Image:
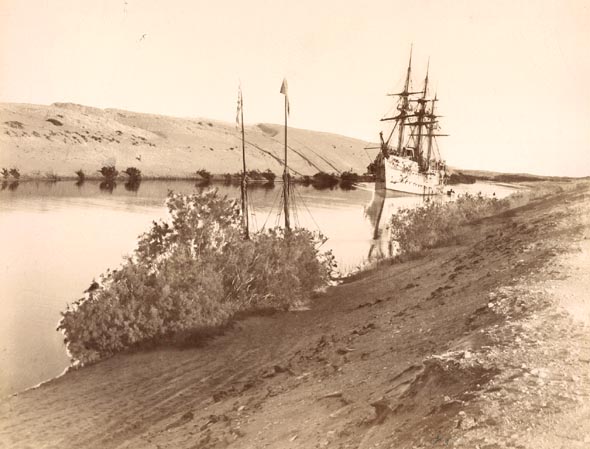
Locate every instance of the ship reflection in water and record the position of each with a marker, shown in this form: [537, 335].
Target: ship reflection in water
[383, 205]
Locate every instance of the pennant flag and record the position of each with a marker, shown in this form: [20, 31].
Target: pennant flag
[239, 109]
[285, 92]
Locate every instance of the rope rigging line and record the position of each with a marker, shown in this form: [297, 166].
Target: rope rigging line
[308, 211]
[280, 211]
[272, 208]
[294, 208]
[367, 153]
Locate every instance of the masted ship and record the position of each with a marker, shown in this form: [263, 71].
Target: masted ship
[409, 160]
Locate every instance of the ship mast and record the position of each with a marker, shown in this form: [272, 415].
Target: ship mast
[431, 131]
[401, 119]
[284, 91]
[421, 116]
[404, 106]
[244, 183]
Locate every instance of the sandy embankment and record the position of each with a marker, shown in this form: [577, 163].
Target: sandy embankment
[483, 344]
[43, 142]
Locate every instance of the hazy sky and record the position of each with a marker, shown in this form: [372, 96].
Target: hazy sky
[512, 76]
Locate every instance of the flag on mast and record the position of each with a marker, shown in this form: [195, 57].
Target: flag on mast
[239, 109]
[285, 92]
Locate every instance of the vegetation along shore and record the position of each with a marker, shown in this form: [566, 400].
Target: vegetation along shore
[477, 339]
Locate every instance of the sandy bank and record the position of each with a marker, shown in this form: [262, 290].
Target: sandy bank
[466, 345]
[57, 140]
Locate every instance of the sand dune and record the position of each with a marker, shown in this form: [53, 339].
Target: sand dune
[63, 137]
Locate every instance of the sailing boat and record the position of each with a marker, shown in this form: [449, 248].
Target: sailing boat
[244, 182]
[412, 163]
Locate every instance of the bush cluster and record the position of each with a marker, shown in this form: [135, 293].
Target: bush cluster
[109, 172]
[133, 173]
[13, 172]
[435, 223]
[205, 175]
[322, 180]
[460, 178]
[194, 271]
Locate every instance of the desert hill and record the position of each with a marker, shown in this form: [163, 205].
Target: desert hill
[45, 141]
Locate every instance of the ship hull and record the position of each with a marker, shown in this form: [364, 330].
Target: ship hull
[403, 175]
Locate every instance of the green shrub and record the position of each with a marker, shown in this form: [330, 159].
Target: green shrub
[15, 173]
[5, 173]
[81, 175]
[194, 271]
[435, 223]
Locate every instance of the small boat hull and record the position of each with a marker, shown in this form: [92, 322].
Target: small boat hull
[403, 175]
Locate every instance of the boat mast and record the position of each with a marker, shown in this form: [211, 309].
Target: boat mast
[421, 116]
[244, 183]
[431, 131]
[284, 91]
[404, 106]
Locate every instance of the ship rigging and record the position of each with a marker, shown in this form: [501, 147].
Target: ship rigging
[409, 160]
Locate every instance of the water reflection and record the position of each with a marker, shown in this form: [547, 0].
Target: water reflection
[345, 185]
[108, 186]
[383, 205]
[201, 183]
[132, 185]
[10, 185]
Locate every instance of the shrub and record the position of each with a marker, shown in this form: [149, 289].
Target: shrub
[269, 176]
[194, 271]
[81, 176]
[306, 180]
[5, 173]
[253, 175]
[460, 178]
[322, 180]
[133, 173]
[109, 172]
[15, 173]
[436, 224]
[204, 174]
[348, 179]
